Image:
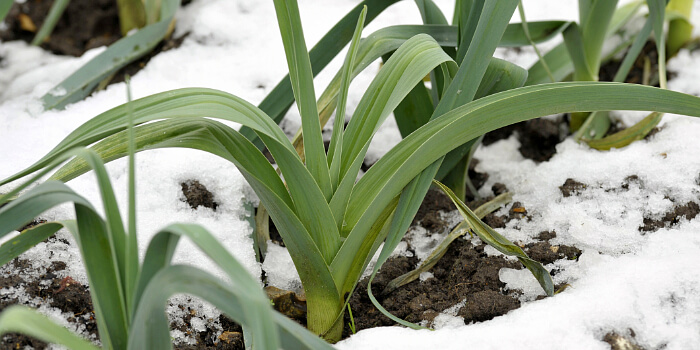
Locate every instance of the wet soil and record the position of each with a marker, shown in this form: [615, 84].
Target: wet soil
[466, 274]
[687, 211]
[84, 25]
[538, 137]
[679, 212]
[636, 74]
[49, 289]
[197, 195]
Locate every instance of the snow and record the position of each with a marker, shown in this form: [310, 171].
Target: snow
[623, 280]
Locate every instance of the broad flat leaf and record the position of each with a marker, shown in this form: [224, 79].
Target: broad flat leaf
[170, 104]
[595, 17]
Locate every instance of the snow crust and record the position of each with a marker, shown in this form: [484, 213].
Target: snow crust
[624, 279]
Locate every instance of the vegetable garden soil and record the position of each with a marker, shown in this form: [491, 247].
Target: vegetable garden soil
[466, 274]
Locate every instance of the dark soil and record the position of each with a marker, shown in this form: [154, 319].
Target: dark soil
[538, 137]
[466, 272]
[62, 293]
[84, 25]
[571, 187]
[688, 211]
[197, 195]
[636, 74]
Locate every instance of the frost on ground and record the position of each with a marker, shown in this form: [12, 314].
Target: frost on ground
[626, 278]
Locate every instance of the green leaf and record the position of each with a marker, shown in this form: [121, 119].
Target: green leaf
[409, 202]
[335, 149]
[24, 320]
[107, 290]
[50, 21]
[575, 45]
[411, 62]
[460, 230]
[258, 314]
[657, 14]
[470, 15]
[414, 111]
[301, 76]
[5, 7]
[540, 31]
[558, 58]
[278, 101]
[169, 104]
[430, 13]
[26, 240]
[124, 51]
[491, 26]
[633, 52]
[131, 254]
[132, 15]
[502, 244]
[386, 178]
[623, 138]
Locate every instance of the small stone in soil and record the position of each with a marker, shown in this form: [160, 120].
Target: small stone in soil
[621, 342]
[571, 187]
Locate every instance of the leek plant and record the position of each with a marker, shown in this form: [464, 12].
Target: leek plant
[332, 223]
[129, 298]
[580, 56]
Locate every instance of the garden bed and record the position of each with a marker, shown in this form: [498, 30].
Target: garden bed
[618, 230]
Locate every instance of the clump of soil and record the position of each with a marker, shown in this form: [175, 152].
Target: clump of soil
[688, 211]
[545, 253]
[572, 187]
[197, 195]
[622, 342]
[465, 272]
[538, 137]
